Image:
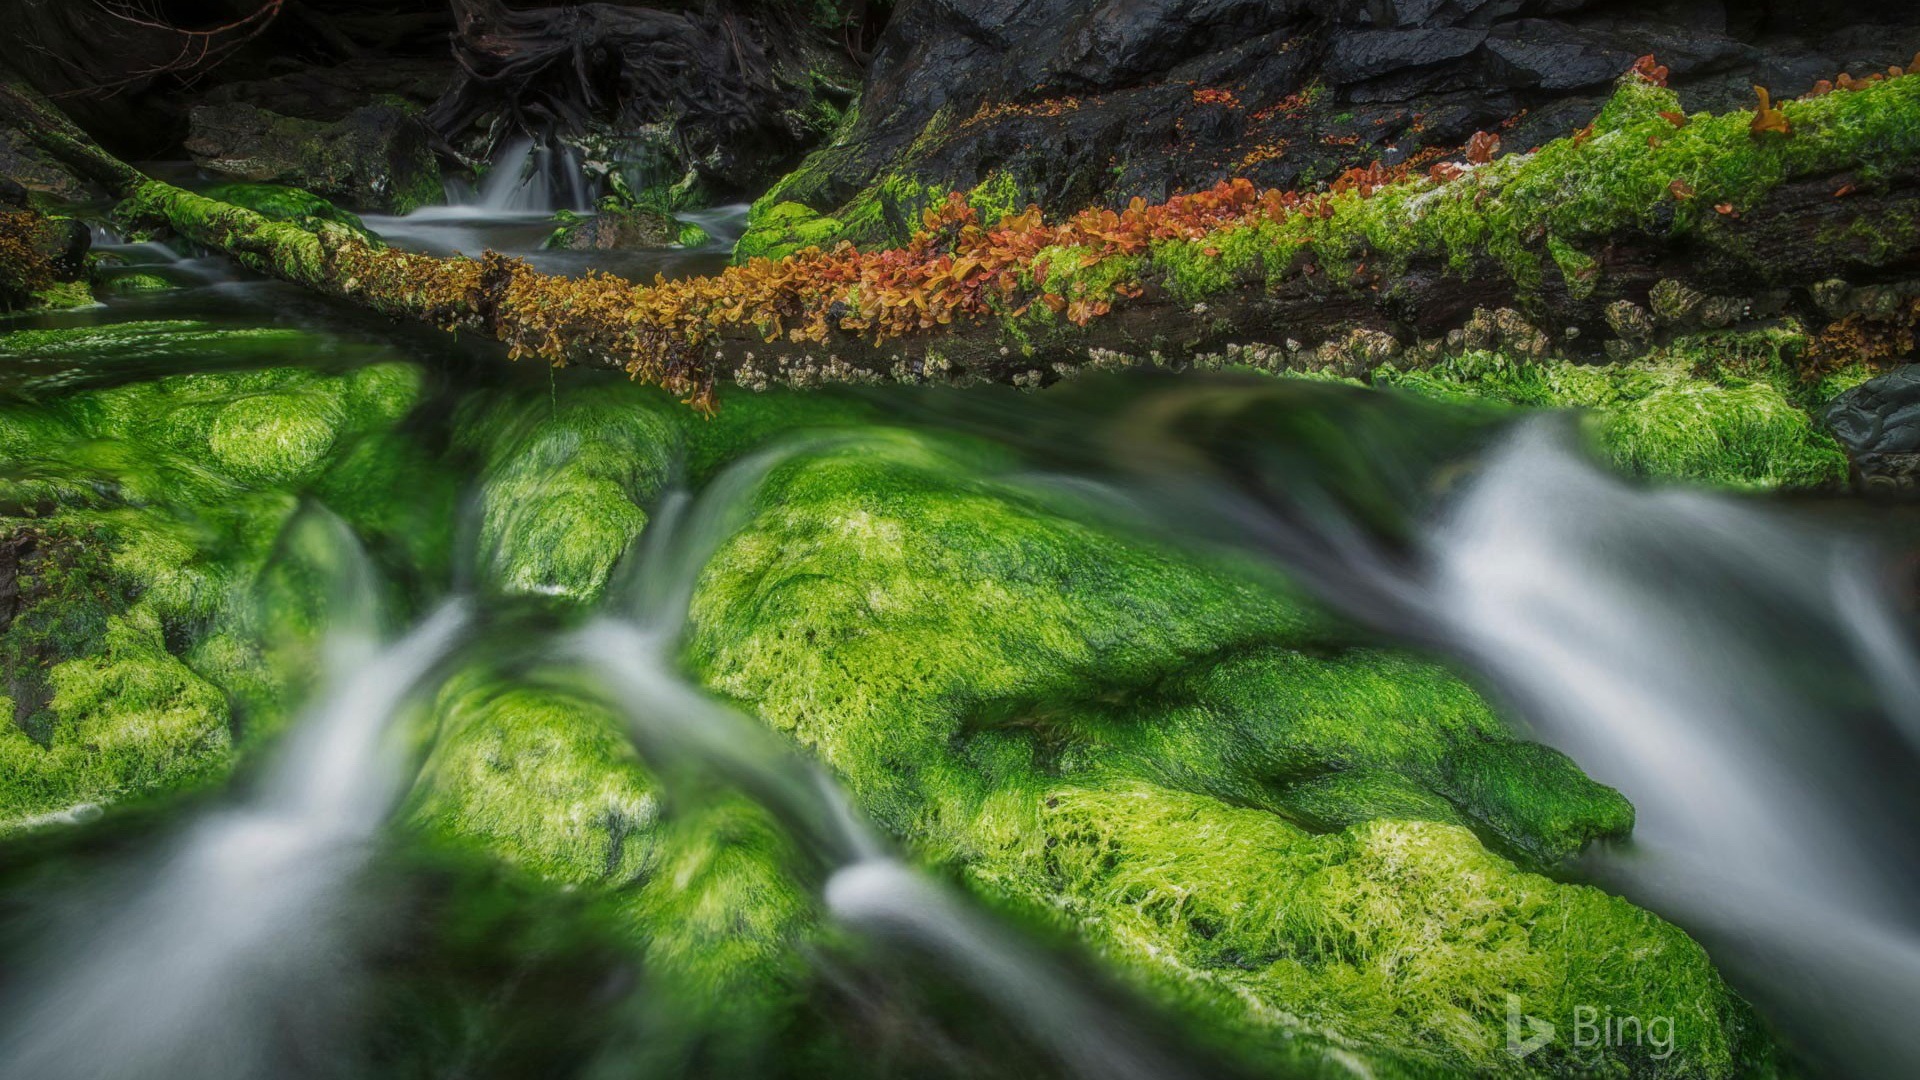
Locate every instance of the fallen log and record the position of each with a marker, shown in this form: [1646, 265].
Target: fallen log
[1646, 223]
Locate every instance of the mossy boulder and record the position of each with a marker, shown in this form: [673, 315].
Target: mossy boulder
[1177, 761]
[378, 158]
[564, 474]
[618, 227]
[538, 778]
[1724, 410]
[144, 524]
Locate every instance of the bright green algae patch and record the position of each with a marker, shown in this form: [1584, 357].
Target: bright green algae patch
[1183, 766]
[543, 779]
[563, 476]
[1728, 410]
[539, 778]
[142, 520]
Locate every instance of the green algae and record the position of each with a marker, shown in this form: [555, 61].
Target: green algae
[538, 778]
[1173, 760]
[1400, 939]
[1723, 410]
[130, 718]
[278, 202]
[1335, 739]
[563, 477]
[155, 511]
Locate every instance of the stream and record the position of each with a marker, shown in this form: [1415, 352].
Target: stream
[1741, 668]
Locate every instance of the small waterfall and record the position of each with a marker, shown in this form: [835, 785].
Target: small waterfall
[677, 726]
[230, 960]
[534, 177]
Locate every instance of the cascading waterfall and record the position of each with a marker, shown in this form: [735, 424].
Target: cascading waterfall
[534, 177]
[866, 887]
[229, 959]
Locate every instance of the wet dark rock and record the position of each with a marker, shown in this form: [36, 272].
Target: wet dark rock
[332, 93]
[1094, 103]
[378, 158]
[1878, 422]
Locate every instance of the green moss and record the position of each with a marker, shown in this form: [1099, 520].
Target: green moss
[160, 507]
[1062, 714]
[563, 477]
[130, 719]
[274, 437]
[891, 597]
[62, 296]
[538, 778]
[1718, 409]
[278, 202]
[136, 283]
[1400, 939]
[784, 228]
[885, 213]
[1331, 740]
[748, 420]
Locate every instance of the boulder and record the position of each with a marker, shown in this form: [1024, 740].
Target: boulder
[377, 158]
[1878, 422]
[624, 229]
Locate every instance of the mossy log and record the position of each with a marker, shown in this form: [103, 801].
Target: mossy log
[1704, 220]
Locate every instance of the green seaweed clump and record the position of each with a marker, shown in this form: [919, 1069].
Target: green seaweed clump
[563, 478]
[1696, 411]
[1173, 759]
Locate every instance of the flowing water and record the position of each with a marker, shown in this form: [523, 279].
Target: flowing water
[224, 957]
[1743, 670]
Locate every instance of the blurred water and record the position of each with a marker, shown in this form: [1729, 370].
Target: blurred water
[230, 956]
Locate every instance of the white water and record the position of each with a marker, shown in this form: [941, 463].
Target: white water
[1746, 684]
[527, 177]
[229, 961]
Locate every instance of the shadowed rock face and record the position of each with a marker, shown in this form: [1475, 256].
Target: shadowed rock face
[1094, 103]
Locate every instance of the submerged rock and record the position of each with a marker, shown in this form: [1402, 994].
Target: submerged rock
[377, 158]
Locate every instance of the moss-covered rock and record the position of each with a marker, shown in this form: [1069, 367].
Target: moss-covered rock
[379, 157]
[538, 778]
[563, 477]
[1399, 940]
[145, 523]
[129, 718]
[618, 227]
[1057, 711]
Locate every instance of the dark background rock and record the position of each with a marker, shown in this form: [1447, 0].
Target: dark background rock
[1878, 422]
[377, 158]
[1094, 103]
